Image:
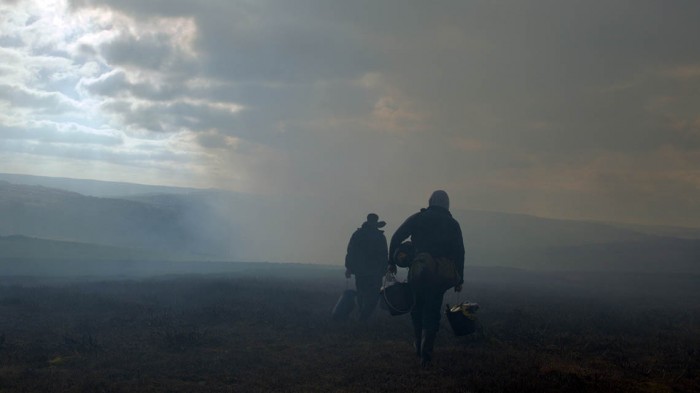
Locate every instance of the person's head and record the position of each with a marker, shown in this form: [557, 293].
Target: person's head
[373, 221]
[439, 198]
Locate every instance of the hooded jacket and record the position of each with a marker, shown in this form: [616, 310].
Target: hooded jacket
[433, 230]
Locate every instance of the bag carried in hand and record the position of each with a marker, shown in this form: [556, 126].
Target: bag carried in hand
[462, 318]
[426, 270]
[344, 306]
[396, 297]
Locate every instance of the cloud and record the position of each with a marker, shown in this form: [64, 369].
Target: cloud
[41, 101]
[147, 53]
[684, 72]
[64, 133]
[214, 140]
[520, 106]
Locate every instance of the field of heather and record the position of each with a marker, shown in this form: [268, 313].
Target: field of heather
[240, 332]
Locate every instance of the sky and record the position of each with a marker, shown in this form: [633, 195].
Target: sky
[571, 109]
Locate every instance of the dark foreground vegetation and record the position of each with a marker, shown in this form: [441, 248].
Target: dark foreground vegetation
[271, 332]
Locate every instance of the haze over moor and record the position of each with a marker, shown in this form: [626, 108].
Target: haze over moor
[584, 110]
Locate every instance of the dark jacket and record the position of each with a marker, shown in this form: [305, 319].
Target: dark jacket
[367, 252]
[433, 230]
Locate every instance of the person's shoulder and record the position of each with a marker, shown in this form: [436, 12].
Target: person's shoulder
[435, 211]
[455, 224]
[417, 214]
[445, 215]
[376, 235]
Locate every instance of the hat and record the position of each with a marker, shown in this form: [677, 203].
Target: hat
[373, 219]
[439, 198]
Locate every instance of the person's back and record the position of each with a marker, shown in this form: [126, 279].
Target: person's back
[366, 258]
[435, 233]
[367, 251]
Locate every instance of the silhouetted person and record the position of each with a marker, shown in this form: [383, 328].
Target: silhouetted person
[367, 260]
[435, 232]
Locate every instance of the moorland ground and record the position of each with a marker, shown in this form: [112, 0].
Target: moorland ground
[270, 330]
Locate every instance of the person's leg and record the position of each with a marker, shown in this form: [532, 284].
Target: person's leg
[370, 296]
[431, 322]
[432, 309]
[361, 287]
[417, 320]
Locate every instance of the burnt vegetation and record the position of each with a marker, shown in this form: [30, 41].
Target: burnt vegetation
[268, 332]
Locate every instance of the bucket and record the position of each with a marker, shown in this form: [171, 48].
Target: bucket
[462, 318]
[397, 298]
[344, 306]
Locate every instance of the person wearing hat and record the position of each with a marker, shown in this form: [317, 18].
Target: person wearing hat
[367, 259]
[439, 248]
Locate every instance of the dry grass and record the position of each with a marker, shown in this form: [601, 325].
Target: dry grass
[207, 334]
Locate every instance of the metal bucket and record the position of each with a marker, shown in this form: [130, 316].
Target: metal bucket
[397, 298]
[462, 318]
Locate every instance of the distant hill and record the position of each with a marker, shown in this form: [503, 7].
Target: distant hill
[97, 188]
[664, 255]
[49, 213]
[663, 230]
[18, 247]
[507, 230]
[215, 224]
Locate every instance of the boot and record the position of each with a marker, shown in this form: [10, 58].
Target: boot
[418, 337]
[426, 354]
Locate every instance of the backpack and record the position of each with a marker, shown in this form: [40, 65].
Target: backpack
[440, 272]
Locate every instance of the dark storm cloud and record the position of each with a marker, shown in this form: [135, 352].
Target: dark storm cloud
[267, 41]
[143, 53]
[525, 63]
[522, 63]
[285, 115]
[288, 52]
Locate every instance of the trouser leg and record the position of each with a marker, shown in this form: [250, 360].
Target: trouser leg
[359, 283]
[368, 294]
[417, 310]
[417, 340]
[417, 319]
[432, 307]
[426, 354]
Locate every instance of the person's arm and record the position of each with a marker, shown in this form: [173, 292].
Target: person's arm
[385, 249]
[379, 251]
[402, 233]
[350, 255]
[459, 255]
